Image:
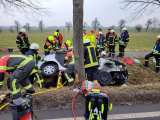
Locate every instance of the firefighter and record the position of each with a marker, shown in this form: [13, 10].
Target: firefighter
[69, 57]
[19, 68]
[90, 60]
[100, 40]
[22, 41]
[123, 41]
[59, 38]
[156, 54]
[111, 39]
[50, 43]
[33, 51]
[90, 36]
[108, 32]
[68, 44]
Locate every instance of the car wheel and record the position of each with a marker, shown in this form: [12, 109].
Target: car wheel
[104, 78]
[49, 69]
[120, 78]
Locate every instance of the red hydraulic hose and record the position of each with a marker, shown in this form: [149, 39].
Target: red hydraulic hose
[74, 100]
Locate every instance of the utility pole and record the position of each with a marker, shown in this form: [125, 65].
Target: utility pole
[77, 38]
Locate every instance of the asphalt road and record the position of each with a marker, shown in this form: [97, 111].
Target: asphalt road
[135, 112]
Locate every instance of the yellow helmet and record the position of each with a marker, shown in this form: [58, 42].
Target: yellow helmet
[50, 38]
[56, 34]
[68, 42]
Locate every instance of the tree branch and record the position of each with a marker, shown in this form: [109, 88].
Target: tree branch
[141, 5]
[154, 2]
[24, 4]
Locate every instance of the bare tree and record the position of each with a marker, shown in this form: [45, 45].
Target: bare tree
[148, 24]
[140, 6]
[122, 24]
[96, 24]
[68, 26]
[41, 25]
[20, 4]
[77, 38]
[17, 25]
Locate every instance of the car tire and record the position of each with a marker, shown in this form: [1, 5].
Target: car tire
[49, 69]
[104, 78]
[120, 78]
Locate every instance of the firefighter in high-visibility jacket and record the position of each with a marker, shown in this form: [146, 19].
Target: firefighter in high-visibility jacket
[90, 60]
[156, 54]
[91, 37]
[59, 38]
[50, 44]
[19, 68]
[123, 41]
[111, 40]
[68, 44]
[22, 41]
[100, 41]
[34, 52]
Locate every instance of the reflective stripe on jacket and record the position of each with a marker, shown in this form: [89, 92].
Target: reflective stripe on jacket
[90, 56]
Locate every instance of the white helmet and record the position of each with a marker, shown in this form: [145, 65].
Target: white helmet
[112, 31]
[103, 53]
[22, 30]
[158, 37]
[86, 41]
[34, 46]
[100, 32]
[124, 29]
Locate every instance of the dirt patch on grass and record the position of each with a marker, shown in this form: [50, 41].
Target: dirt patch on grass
[131, 94]
[139, 74]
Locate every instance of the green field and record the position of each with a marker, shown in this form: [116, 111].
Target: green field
[141, 41]
[138, 41]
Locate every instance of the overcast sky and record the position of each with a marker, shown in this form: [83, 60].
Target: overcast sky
[109, 12]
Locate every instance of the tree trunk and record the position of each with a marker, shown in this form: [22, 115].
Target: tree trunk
[77, 38]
